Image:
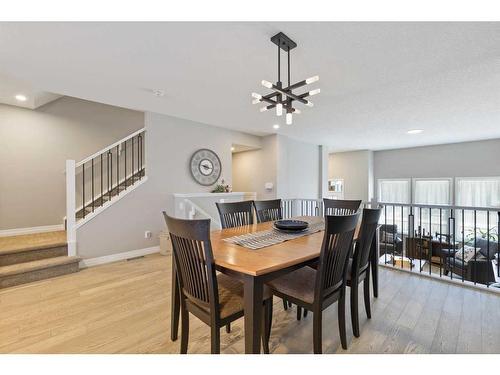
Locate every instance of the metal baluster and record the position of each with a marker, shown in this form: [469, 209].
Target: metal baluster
[475, 231]
[452, 240]
[441, 241]
[133, 172]
[498, 243]
[403, 235]
[463, 240]
[430, 241]
[83, 189]
[125, 173]
[110, 174]
[140, 156]
[102, 198]
[488, 238]
[92, 185]
[385, 236]
[117, 170]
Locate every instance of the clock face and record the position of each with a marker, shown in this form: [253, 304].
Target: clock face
[205, 167]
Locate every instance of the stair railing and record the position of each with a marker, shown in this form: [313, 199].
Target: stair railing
[94, 182]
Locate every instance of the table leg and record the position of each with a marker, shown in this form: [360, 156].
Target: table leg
[253, 290]
[374, 262]
[175, 305]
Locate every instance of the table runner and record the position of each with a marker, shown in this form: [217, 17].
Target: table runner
[273, 236]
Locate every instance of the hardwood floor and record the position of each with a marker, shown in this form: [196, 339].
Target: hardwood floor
[124, 307]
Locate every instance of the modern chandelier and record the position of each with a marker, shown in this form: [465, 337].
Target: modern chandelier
[282, 98]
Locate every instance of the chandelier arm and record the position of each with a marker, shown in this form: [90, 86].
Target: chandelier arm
[288, 53]
[289, 94]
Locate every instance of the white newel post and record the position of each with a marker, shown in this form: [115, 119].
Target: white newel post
[70, 207]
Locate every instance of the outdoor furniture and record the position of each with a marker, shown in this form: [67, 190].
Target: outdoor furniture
[256, 267]
[359, 266]
[216, 300]
[316, 290]
[235, 214]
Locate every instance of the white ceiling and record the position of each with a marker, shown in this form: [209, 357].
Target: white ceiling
[11, 87]
[377, 80]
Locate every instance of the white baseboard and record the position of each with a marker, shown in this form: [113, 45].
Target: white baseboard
[117, 257]
[21, 231]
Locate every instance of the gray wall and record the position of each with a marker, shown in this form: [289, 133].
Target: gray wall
[299, 169]
[356, 168]
[34, 145]
[252, 169]
[170, 142]
[468, 159]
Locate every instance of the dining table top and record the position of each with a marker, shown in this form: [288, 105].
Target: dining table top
[268, 259]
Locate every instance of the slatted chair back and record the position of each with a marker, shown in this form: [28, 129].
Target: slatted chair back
[235, 214]
[269, 210]
[194, 260]
[339, 207]
[334, 255]
[369, 223]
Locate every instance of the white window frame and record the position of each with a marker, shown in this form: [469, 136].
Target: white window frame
[380, 180]
[458, 179]
[449, 179]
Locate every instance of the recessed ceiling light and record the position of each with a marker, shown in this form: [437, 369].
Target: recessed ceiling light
[276, 126]
[232, 148]
[21, 97]
[415, 131]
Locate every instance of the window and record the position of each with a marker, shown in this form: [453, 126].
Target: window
[478, 191]
[432, 191]
[394, 191]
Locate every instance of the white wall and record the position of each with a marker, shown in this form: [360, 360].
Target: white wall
[170, 142]
[356, 169]
[34, 145]
[468, 159]
[299, 169]
[252, 169]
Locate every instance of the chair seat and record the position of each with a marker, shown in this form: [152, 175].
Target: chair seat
[298, 284]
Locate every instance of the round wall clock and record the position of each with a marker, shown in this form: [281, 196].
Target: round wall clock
[205, 167]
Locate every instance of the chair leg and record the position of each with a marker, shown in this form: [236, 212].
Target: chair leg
[285, 304]
[305, 313]
[228, 328]
[215, 340]
[354, 308]
[266, 322]
[317, 332]
[342, 330]
[289, 304]
[184, 329]
[299, 312]
[366, 292]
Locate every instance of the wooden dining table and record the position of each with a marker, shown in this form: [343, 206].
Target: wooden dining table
[256, 267]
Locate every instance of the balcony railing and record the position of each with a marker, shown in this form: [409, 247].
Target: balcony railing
[454, 242]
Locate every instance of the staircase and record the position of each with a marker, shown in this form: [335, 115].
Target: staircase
[34, 257]
[92, 185]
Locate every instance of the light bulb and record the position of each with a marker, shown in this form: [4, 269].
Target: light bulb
[256, 96]
[289, 119]
[263, 109]
[256, 101]
[276, 126]
[314, 92]
[21, 97]
[312, 79]
[309, 104]
[267, 84]
[279, 109]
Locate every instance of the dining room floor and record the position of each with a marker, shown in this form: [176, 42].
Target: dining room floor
[124, 307]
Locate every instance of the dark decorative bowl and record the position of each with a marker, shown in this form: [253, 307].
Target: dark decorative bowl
[291, 225]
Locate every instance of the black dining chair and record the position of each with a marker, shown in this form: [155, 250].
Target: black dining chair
[235, 214]
[315, 290]
[269, 210]
[216, 299]
[359, 264]
[340, 206]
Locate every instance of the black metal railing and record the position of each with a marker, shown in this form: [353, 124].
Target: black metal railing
[447, 241]
[104, 175]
